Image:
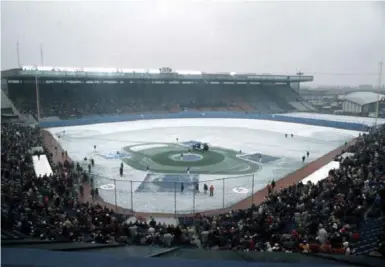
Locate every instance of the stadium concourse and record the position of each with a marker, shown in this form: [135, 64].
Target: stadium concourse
[342, 214]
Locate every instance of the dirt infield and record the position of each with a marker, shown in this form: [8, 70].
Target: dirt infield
[257, 198]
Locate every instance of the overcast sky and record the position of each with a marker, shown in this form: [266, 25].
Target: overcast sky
[326, 39]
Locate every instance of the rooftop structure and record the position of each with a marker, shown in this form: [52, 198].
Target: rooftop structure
[163, 73]
[363, 98]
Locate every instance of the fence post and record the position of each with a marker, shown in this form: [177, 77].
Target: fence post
[175, 200]
[223, 195]
[132, 197]
[252, 190]
[193, 193]
[116, 197]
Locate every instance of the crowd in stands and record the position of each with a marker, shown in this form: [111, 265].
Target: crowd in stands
[323, 217]
[48, 208]
[83, 99]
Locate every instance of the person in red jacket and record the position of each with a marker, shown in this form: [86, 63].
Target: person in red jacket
[211, 190]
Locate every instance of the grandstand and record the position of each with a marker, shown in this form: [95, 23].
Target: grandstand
[155, 90]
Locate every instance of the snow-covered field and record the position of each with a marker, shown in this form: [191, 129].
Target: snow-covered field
[250, 136]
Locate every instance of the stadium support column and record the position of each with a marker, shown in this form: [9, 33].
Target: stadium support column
[299, 74]
[378, 94]
[37, 99]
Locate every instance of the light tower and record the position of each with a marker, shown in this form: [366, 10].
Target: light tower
[299, 74]
[378, 94]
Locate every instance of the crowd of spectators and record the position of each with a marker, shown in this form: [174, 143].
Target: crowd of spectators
[48, 207]
[323, 217]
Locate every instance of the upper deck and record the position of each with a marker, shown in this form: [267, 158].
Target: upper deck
[166, 74]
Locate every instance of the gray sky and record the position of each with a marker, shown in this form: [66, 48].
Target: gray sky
[242, 36]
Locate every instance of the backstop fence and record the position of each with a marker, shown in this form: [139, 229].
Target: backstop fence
[177, 197]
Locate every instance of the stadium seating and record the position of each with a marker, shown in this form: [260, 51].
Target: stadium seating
[370, 234]
[107, 99]
[13, 235]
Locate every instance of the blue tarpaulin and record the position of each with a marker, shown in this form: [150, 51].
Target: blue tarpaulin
[211, 114]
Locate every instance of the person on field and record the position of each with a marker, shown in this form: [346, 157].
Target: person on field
[205, 189]
[211, 190]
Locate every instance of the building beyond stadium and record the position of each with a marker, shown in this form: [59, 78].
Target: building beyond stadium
[361, 102]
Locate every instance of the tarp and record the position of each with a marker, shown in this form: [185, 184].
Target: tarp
[210, 114]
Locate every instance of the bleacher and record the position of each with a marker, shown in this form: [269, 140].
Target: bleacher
[7, 111]
[11, 235]
[91, 99]
[370, 232]
[308, 105]
[300, 106]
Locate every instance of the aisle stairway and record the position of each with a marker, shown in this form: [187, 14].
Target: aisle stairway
[11, 235]
[369, 236]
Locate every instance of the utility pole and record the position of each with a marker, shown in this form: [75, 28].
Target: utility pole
[378, 93]
[18, 54]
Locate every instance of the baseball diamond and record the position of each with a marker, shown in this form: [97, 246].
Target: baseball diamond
[175, 158]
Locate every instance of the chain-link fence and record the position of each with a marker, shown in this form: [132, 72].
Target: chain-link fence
[176, 193]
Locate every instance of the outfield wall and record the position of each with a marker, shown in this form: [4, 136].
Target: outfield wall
[214, 114]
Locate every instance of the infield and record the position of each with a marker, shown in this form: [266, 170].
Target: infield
[175, 158]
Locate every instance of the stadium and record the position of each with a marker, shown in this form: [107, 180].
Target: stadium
[178, 146]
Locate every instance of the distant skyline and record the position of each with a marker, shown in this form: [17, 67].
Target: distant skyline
[340, 43]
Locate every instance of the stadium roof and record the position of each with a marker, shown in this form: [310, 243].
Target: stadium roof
[363, 98]
[160, 73]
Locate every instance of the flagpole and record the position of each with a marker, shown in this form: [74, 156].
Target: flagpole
[18, 54]
[37, 99]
